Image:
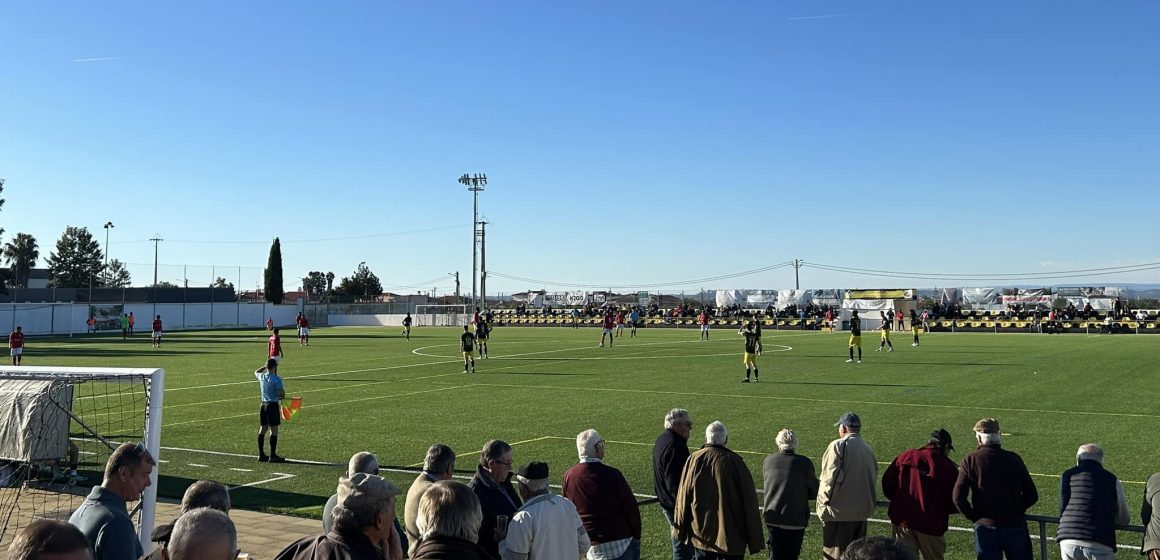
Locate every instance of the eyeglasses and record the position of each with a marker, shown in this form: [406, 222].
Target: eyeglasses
[507, 463]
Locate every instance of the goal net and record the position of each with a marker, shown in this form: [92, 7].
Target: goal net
[442, 315]
[58, 427]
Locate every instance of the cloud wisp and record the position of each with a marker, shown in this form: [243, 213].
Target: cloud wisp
[823, 16]
[98, 59]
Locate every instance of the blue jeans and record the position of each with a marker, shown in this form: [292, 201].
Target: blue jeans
[632, 552]
[992, 543]
[681, 551]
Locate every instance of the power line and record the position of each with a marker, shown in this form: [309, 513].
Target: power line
[1000, 277]
[644, 284]
[317, 240]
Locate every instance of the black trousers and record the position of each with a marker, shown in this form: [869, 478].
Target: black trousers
[784, 544]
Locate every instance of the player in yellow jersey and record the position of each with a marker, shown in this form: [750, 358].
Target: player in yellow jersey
[855, 337]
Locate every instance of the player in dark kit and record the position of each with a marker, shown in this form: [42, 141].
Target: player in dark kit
[750, 357]
[482, 333]
[407, 326]
[855, 337]
[467, 345]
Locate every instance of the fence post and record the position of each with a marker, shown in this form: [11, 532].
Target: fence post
[1042, 540]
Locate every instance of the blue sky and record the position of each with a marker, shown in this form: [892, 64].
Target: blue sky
[628, 143]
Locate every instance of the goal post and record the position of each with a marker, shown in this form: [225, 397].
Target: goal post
[452, 315]
[58, 427]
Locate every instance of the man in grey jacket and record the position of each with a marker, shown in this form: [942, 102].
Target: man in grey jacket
[104, 516]
[790, 481]
[848, 487]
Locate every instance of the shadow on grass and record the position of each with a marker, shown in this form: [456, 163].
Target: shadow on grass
[246, 497]
[119, 352]
[548, 373]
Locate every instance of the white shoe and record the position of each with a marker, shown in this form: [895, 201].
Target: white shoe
[850, 361]
[879, 349]
[914, 344]
[859, 361]
[891, 349]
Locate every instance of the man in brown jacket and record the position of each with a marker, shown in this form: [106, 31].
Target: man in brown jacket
[716, 507]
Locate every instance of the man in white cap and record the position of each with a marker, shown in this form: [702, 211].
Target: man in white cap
[364, 524]
[847, 489]
[547, 527]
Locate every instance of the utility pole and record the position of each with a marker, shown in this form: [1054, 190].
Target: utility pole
[456, 275]
[156, 239]
[797, 265]
[474, 184]
[483, 264]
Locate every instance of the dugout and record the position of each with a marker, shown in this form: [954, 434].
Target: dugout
[869, 303]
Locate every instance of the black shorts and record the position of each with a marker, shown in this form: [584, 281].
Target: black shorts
[270, 414]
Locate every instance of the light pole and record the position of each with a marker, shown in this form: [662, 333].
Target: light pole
[364, 280]
[108, 226]
[474, 184]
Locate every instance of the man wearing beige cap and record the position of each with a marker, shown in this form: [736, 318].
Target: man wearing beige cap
[364, 527]
[847, 488]
[1000, 492]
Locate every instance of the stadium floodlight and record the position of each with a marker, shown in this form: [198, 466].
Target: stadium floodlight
[108, 226]
[475, 184]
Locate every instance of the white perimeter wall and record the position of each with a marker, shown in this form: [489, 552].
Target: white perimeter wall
[66, 318]
[396, 320]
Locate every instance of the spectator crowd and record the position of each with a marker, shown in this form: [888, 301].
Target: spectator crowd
[707, 496]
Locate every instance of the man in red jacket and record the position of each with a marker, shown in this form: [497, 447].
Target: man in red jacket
[920, 484]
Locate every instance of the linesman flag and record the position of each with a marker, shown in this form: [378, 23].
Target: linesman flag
[290, 411]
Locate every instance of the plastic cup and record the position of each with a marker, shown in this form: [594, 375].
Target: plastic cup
[501, 523]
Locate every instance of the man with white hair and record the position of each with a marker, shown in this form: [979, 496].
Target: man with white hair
[670, 452]
[439, 464]
[363, 524]
[203, 534]
[1091, 504]
[448, 517]
[604, 501]
[1000, 492]
[716, 502]
[848, 487]
[200, 494]
[790, 482]
[367, 463]
[547, 527]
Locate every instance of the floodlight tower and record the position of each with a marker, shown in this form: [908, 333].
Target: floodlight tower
[474, 184]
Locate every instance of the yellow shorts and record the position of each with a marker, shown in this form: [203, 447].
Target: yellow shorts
[916, 329]
[855, 340]
[749, 359]
[467, 355]
[885, 335]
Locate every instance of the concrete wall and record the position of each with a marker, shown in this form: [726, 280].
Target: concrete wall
[67, 318]
[396, 320]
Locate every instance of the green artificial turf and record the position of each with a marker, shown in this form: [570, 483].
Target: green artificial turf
[368, 389]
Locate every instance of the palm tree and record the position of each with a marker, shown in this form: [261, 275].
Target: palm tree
[21, 254]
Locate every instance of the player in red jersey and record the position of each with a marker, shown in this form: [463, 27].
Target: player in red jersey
[303, 329]
[703, 319]
[619, 323]
[830, 320]
[16, 345]
[274, 347]
[156, 337]
[476, 319]
[607, 328]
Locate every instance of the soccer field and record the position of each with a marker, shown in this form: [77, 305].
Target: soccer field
[368, 389]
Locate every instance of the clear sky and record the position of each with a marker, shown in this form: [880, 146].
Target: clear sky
[625, 142]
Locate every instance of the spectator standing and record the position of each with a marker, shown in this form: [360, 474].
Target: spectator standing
[790, 482]
[47, 539]
[847, 489]
[716, 502]
[362, 525]
[670, 451]
[438, 465]
[1150, 518]
[367, 463]
[1091, 504]
[547, 527]
[604, 500]
[448, 518]
[492, 485]
[203, 534]
[994, 491]
[104, 516]
[920, 485]
[200, 494]
[16, 345]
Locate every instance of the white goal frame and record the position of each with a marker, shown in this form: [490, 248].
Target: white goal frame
[153, 414]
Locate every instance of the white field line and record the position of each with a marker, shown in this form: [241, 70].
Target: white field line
[277, 477]
[805, 399]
